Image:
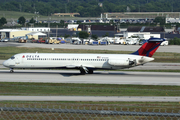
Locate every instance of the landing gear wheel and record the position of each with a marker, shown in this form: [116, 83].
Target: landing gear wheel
[11, 71]
[82, 72]
[90, 72]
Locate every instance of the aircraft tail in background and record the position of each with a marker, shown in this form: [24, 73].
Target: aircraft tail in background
[150, 47]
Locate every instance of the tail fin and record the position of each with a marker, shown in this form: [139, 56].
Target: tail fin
[150, 47]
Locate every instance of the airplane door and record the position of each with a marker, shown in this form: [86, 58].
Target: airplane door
[17, 61]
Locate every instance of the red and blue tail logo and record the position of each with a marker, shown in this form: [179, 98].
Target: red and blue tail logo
[150, 47]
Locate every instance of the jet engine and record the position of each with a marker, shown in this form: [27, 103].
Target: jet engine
[121, 62]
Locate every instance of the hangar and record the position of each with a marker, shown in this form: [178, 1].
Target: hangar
[12, 33]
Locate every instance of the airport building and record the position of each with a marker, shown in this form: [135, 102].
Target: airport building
[37, 29]
[12, 33]
[143, 35]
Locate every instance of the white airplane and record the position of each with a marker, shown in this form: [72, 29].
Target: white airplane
[86, 63]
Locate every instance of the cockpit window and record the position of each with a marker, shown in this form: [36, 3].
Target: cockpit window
[12, 57]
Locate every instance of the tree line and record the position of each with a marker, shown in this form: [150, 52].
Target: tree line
[88, 8]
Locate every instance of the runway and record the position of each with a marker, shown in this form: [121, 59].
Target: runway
[99, 77]
[91, 98]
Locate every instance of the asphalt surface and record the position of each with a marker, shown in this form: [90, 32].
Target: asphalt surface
[169, 48]
[91, 98]
[99, 77]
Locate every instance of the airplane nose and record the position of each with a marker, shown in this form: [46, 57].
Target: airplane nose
[5, 64]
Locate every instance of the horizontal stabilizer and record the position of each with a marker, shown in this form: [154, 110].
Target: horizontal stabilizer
[156, 40]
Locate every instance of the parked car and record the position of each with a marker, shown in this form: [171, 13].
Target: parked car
[5, 40]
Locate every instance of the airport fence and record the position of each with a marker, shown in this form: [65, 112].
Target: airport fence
[87, 112]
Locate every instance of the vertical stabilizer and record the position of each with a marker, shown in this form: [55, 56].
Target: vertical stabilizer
[150, 47]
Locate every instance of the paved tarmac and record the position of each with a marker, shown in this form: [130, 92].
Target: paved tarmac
[91, 98]
[169, 48]
[99, 77]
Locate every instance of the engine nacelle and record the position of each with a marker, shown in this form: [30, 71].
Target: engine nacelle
[120, 62]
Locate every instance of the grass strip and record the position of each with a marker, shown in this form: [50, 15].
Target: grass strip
[169, 106]
[86, 89]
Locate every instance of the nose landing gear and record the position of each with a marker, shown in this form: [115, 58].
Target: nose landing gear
[11, 70]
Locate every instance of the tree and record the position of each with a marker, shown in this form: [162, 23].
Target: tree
[94, 37]
[83, 34]
[78, 22]
[106, 35]
[32, 20]
[160, 20]
[66, 36]
[21, 20]
[62, 23]
[3, 21]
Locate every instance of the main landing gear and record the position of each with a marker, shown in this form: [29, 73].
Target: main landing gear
[90, 72]
[11, 70]
[84, 70]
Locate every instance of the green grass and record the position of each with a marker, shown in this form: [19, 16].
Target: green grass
[63, 104]
[9, 15]
[15, 15]
[7, 52]
[86, 89]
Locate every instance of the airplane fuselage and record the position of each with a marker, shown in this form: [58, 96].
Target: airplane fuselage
[86, 63]
[90, 61]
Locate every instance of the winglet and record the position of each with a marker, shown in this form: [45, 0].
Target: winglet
[150, 47]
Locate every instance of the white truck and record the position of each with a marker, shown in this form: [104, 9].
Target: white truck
[76, 41]
[119, 40]
[131, 41]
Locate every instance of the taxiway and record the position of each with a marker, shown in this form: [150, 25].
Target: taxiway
[99, 77]
[91, 98]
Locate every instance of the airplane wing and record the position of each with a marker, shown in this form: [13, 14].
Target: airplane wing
[78, 66]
